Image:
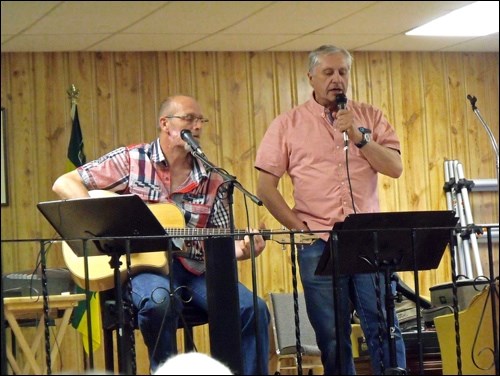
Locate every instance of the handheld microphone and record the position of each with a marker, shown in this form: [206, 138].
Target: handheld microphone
[473, 101]
[187, 136]
[341, 100]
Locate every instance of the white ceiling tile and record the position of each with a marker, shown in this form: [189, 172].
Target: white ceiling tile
[18, 15]
[488, 43]
[237, 42]
[64, 42]
[146, 42]
[413, 43]
[180, 17]
[293, 17]
[312, 41]
[387, 17]
[93, 16]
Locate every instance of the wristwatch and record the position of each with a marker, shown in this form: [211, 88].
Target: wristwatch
[366, 137]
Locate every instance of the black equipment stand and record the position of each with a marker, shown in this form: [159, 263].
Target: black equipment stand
[126, 358]
[387, 243]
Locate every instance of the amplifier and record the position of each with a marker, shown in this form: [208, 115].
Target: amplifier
[442, 294]
[29, 283]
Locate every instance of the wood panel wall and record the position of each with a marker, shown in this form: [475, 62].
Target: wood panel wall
[423, 94]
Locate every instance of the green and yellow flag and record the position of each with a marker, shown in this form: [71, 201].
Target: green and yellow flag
[76, 155]
[76, 158]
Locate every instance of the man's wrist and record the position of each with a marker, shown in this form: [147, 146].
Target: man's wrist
[302, 227]
[366, 137]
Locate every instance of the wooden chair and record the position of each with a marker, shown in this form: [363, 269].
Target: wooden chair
[476, 336]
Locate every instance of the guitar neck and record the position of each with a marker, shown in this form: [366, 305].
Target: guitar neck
[193, 233]
[277, 236]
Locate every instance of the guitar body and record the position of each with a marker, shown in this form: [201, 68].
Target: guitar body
[101, 274]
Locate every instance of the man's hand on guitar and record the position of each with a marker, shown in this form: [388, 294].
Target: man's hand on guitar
[243, 247]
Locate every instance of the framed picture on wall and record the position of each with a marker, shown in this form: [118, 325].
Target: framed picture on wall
[3, 156]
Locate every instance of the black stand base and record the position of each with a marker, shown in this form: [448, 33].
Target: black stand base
[124, 333]
[390, 310]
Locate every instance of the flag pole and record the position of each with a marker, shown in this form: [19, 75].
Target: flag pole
[73, 94]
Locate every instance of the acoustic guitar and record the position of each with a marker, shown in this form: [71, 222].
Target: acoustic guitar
[101, 274]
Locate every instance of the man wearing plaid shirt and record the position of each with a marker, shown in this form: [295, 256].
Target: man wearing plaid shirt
[165, 171]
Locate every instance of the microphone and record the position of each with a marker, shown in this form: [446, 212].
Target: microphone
[187, 136]
[472, 101]
[341, 100]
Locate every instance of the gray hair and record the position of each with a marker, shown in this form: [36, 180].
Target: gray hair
[327, 49]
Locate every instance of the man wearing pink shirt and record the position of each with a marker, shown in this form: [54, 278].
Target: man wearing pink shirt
[333, 151]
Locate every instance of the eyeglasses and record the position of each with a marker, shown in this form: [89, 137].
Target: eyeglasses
[189, 118]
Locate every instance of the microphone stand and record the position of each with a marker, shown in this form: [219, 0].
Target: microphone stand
[494, 144]
[233, 182]
[228, 178]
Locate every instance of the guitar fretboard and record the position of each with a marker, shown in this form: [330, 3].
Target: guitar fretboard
[204, 232]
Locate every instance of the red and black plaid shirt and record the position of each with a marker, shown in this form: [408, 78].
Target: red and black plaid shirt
[142, 169]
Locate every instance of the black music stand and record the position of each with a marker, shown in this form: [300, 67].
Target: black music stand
[108, 217]
[114, 226]
[386, 242]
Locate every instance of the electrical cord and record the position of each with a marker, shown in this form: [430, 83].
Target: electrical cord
[349, 178]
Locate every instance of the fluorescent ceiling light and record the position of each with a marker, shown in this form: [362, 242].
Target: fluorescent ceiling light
[477, 19]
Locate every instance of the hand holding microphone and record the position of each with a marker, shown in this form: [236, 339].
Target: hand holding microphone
[341, 100]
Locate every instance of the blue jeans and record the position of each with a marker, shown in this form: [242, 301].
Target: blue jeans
[360, 289]
[158, 321]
